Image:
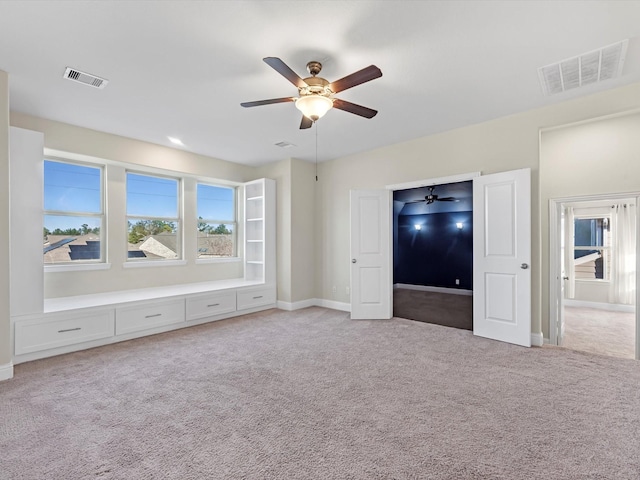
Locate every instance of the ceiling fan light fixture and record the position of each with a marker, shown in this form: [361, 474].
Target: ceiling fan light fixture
[314, 106]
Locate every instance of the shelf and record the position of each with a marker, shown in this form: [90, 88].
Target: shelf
[255, 262]
[255, 241]
[254, 219]
[249, 199]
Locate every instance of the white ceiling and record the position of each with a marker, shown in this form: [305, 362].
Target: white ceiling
[181, 68]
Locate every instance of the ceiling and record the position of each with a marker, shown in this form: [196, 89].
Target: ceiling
[181, 68]
[461, 191]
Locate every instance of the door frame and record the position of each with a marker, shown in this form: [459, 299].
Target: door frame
[463, 177]
[555, 268]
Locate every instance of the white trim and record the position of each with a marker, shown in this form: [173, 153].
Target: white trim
[291, 306]
[6, 371]
[154, 263]
[424, 288]
[537, 340]
[434, 181]
[53, 268]
[612, 307]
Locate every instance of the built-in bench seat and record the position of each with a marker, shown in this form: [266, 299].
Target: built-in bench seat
[85, 321]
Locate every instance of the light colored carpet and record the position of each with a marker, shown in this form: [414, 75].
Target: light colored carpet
[600, 331]
[434, 307]
[313, 395]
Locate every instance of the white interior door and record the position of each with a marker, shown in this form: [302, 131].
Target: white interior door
[371, 282]
[502, 256]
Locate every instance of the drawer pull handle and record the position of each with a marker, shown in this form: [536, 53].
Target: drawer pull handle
[154, 315]
[70, 330]
[213, 305]
[259, 296]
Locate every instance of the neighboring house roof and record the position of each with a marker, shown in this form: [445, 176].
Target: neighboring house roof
[68, 248]
[163, 245]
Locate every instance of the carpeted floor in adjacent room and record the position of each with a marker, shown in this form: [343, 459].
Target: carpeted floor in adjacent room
[311, 394]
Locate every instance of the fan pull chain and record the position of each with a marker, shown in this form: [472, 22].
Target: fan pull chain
[316, 150]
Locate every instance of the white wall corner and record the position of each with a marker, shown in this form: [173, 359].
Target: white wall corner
[537, 340]
[6, 371]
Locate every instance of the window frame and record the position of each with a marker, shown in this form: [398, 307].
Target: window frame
[129, 261]
[233, 222]
[605, 249]
[89, 264]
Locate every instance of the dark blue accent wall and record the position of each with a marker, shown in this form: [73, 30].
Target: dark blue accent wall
[438, 253]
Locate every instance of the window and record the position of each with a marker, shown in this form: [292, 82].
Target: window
[216, 212]
[591, 251]
[153, 217]
[73, 227]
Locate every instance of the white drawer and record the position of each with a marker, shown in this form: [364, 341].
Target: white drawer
[210, 304]
[256, 297]
[60, 330]
[144, 317]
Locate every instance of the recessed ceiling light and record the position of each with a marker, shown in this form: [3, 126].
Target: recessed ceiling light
[176, 141]
[284, 144]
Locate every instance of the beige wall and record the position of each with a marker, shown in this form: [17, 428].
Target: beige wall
[504, 144]
[82, 141]
[303, 230]
[601, 156]
[5, 347]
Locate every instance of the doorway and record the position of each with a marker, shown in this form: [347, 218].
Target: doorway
[433, 254]
[594, 261]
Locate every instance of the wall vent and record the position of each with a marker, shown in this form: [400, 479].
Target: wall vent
[85, 78]
[284, 145]
[591, 67]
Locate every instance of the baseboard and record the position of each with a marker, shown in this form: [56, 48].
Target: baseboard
[290, 306]
[612, 307]
[6, 371]
[345, 307]
[423, 288]
[537, 340]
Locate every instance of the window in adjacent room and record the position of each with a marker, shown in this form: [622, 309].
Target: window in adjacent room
[216, 210]
[592, 248]
[74, 227]
[153, 217]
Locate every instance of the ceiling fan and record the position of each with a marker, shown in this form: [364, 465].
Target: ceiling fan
[315, 94]
[432, 197]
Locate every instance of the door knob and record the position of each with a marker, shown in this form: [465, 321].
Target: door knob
[524, 266]
[353, 260]
[565, 278]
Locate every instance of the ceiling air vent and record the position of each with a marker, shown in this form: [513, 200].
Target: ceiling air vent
[590, 67]
[85, 78]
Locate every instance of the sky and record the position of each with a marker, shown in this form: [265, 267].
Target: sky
[76, 188]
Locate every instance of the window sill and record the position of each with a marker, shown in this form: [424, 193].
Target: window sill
[204, 261]
[83, 267]
[155, 263]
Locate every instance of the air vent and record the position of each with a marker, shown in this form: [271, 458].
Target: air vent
[590, 67]
[284, 144]
[85, 78]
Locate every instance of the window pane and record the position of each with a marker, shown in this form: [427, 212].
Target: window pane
[72, 188]
[71, 239]
[153, 239]
[152, 196]
[215, 240]
[590, 232]
[216, 203]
